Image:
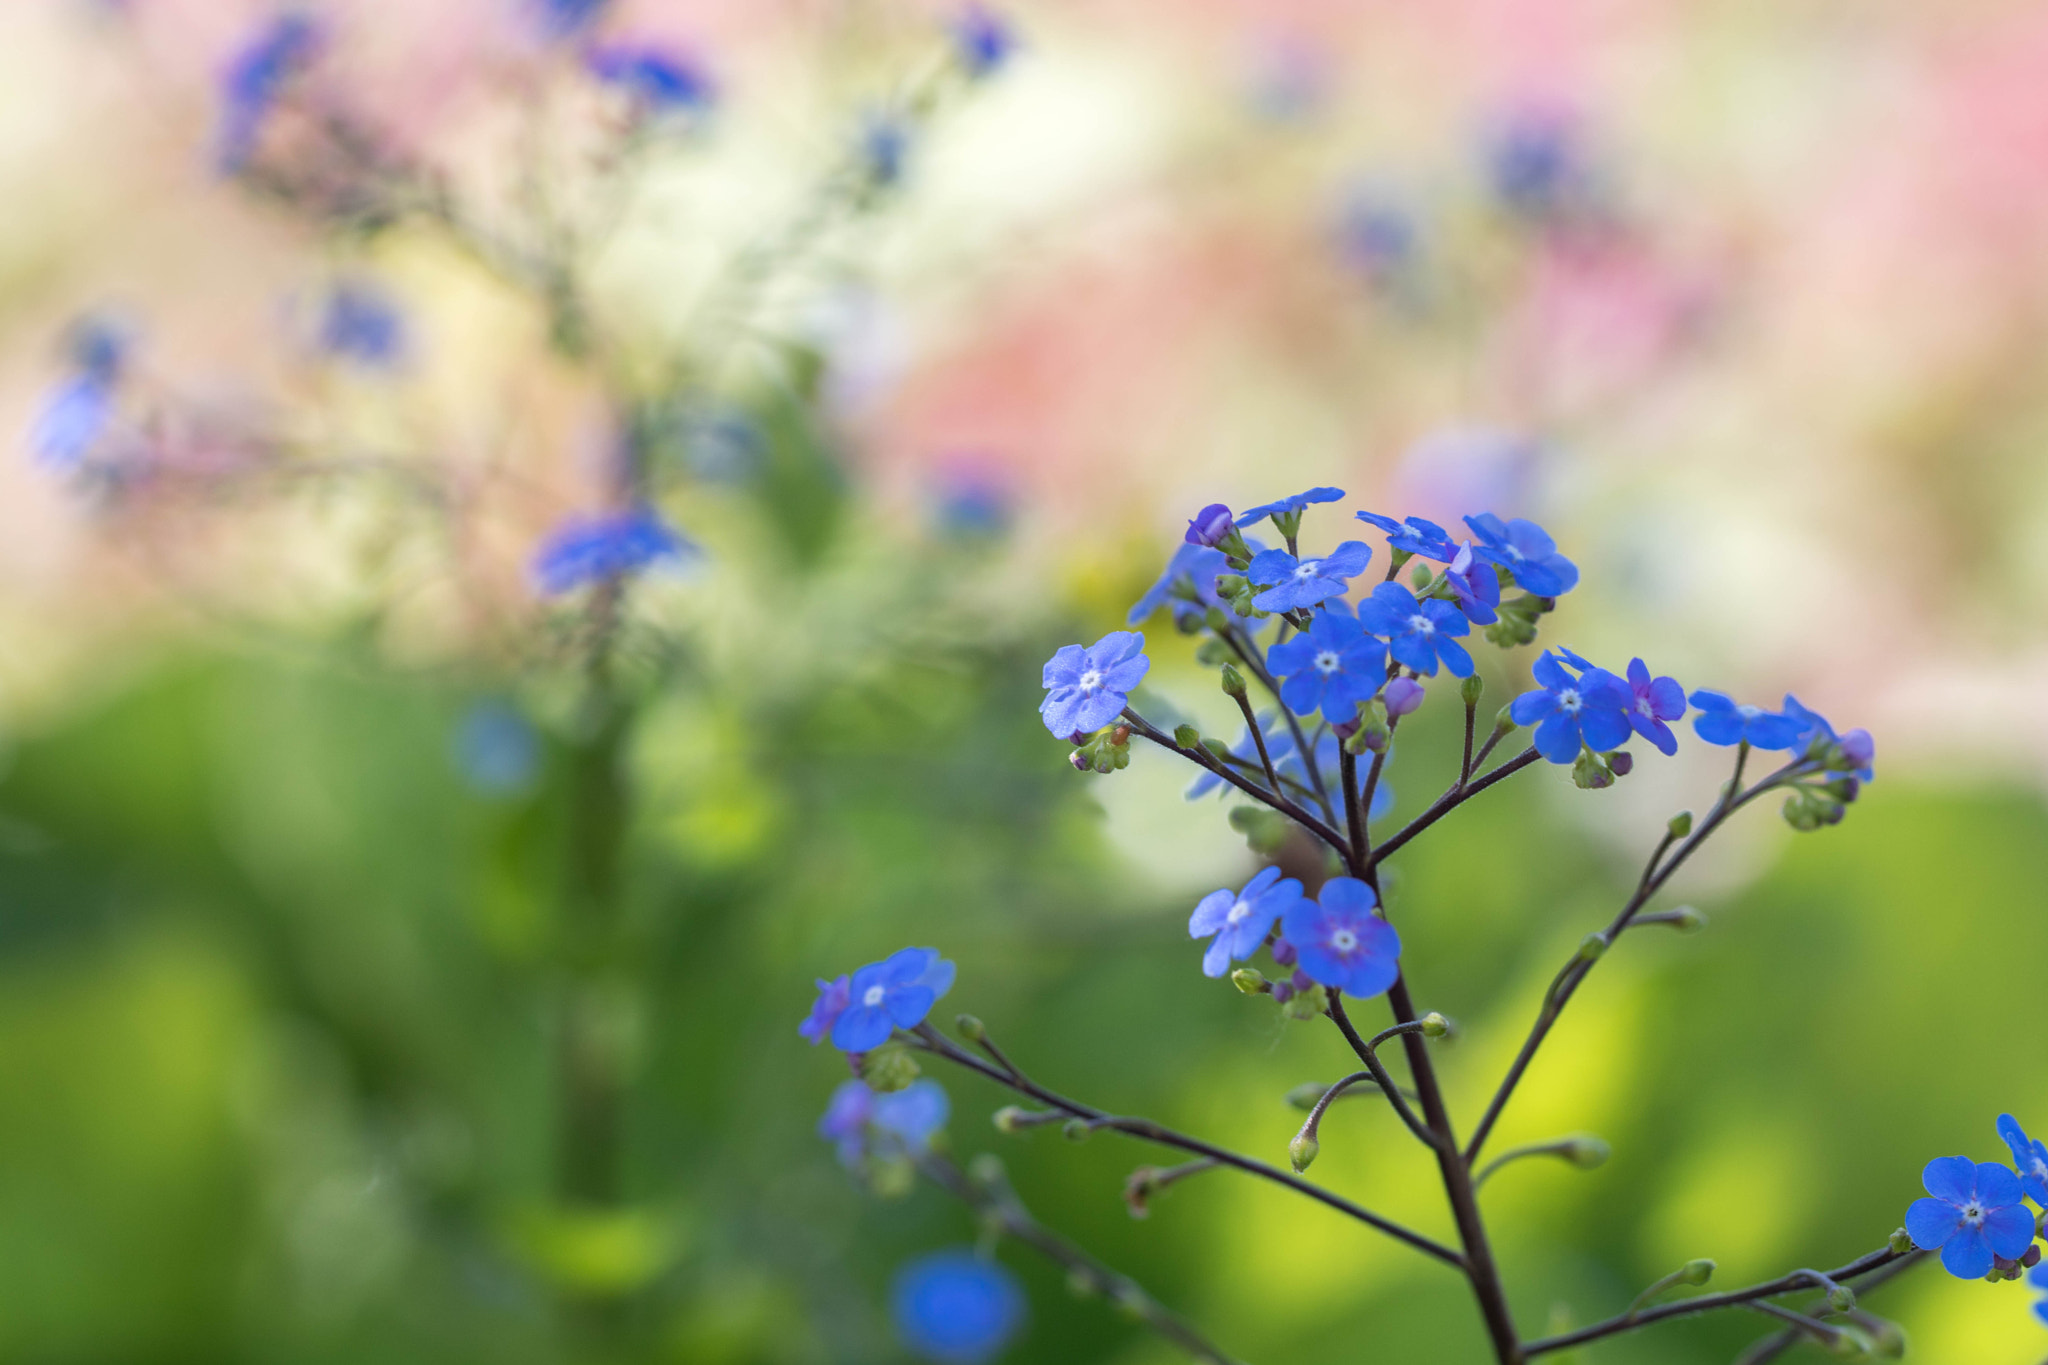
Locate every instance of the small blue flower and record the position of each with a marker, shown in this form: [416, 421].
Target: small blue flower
[902, 1122]
[2030, 1155]
[1332, 666]
[1722, 720]
[72, 422]
[1088, 688]
[1817, 739]
[1289, 506]
[1192, 568]
[826, 1009]
[1474, 586]
[1536, 163]
[897, 992]
[1292, 584]
[1974, 1214]
[1239, 920]
[911, 1115]
[658, 80]
[1418, 634]
[1590, 710]
[256, 78]
[1526, 551]
[593, 550]
[359, 323]
[1416, 535]
[845, 1120]
[982, 40]
[565, 18]
[1654, 703]
[497, 750]
[974, 502]
[1340, 942]
[955, 1308]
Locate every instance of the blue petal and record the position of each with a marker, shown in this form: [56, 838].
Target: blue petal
[1603, 730]
[1966, 1255]
[1557, 738]
[1454, 656]
[908, 1005]
[1216, 958]
[2009, 1231]
[1347, 560]
[1931, 1222]
[1064, 667]
[1271, 566]
[1997, 1186]
[1953, 1178]
[861, 1029]
[1532, 706]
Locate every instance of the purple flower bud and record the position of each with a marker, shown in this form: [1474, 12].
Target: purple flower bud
[1859, 747]
[1283, 993]
[1210, 526]
[1345, 729]
[1622, 764]
[1284, 953]
[1301, 980]
[1079, 760]
[1403, 695]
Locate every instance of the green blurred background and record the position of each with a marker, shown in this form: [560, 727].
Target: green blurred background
[284, 981]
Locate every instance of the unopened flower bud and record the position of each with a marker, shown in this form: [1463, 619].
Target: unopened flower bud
[1591, 773]
[1681, 824]
[1251, 981]
[1587, 1152]
[1434, 1025]
[1233, 681]
[1697, 1272]
[970, 1028]
[1121, 735]
[2032, 1257]
[1403, 696]
[1844, 789]
[888, 1068]
[1503, 722]
[1076, 1130]
[1850, 1344]
[1080, 761]
[1139, 1187]
[1621, 763]
[1592, 947]
[1210, 525]
[1187, 736]
[1011, 1119]
[1302, 1151]
[1901, 1242]
[1470, 690]
[1215, 618]
[1688, 919]
[1841, 1298]
[1284, 953]
[1420, 578]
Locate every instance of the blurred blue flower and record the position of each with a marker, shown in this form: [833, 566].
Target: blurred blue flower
[1973, 1214]
[256, 78]
[1239, 920]
[884, 145]
[593, 550]
[660, 81]
[497, 750]
[911, 1115]
[1293, 504]
[1475, 587]
[1654, 703]
[1190, 568]
[1722, 720]
[566, 18]
[2038, 1279]
[361, 324]
[1418, 634]
[826, 1009]
[845, 1120]
[1329, 760]
[982, 39]
[1291, 584]
[1526, 551]
[2030, 1155]
[1088, 688]
[80, 409]
[1375, 236]
[857, 1119]
[1855, 751]
[1340, 942]
[1591, 709]
[1416, 536]
[1332, 666]
[894, 993]
[1536, 162]
[956, 1309]
[974, 501]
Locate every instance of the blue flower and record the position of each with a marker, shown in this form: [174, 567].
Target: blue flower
[982, 40]
[1417, 536]
[1974, 1215]
[1474, 585]
[900, 1122]
[72, 422]
[845, 1120]
[1333, 665]
[955, 1308]
[564, 18]
[1292, 583]
[660, 81]
[911, 1115]
[1239, 920]
[897, 992]
[1289, 506]
[826, 1009]
[974, 503]
[1340, 942]
[1535, 161]
[359, 323]
[1197, 566]
[1653, 703]
[598, 549]
[1722, 721]
[1590, 710]
[256, 78]
[1088, 688]
[2030, 1155]
[496, 749]
[884, 146]
[1817, 739]
[1418, 634]
[1210, 526]
[1375, 235]
[1526, 551]
[2038, 1278]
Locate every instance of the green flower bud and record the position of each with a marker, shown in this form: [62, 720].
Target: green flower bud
[1588, 1153]
[1011, 1119]
[1697, 1272]
[1217, 748]
[1076, 1130]
[1592, 947]
[970, 1028]
[1233, 681]
[1302, 1151]
[1841, 1298]
[1420, 578]
[1681, 824]
[888, 1068]
[1901, 1242]
[1215, 618]
[1688, 920]
[1591, 772]
[1187, 736]
[1434, 1025]
[1503, 722]
[1251, 981]
[1887, 1338]
[1210, 653]
[1471, 689]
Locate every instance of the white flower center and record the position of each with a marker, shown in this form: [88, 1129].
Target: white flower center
[1569, 701]
[1091, 681]
[1307, 568]
[1512, 553]
[1643, 705]
[1750, 712]
[1344, 941]
[1973, 1213]
[873, 996]
[1421, 624]
[1238, 913]
[1327, 661]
